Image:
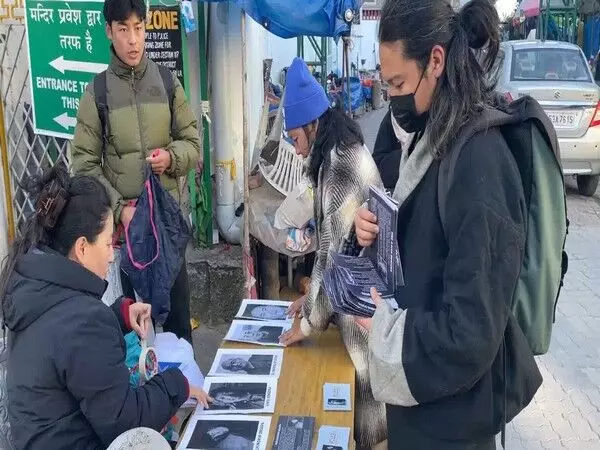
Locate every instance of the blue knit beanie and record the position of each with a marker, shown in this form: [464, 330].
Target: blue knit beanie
[305, 100]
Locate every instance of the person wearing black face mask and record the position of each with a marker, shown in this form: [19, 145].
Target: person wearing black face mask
[401, 128]
[404, 111]
[440, 361]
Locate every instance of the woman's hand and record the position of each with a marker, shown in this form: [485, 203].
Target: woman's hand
[139, 318]
[365, 223]
[201, 397]
[366, 322]
[293, 335]
[295, 309]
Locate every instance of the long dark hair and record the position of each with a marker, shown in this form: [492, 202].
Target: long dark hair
[335, 130]
[67, 208]
[471, 40]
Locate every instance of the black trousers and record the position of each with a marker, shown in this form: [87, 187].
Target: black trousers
[178, 320]
[403, 436]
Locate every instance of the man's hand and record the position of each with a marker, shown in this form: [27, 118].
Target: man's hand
[139, 318]
[160, 160]
[365, 223]
[295, 309]
[202, 397]
[127, 214]
[366, 322]
[293, 335]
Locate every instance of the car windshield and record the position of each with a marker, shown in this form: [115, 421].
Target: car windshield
[547, 64]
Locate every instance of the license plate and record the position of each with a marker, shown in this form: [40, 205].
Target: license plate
[564, 119]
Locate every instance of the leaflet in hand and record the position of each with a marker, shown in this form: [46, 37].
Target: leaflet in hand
[349, 281]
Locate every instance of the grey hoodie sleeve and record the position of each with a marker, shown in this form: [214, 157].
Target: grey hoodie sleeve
[419, 355]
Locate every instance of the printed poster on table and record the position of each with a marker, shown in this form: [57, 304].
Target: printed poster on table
[263, 310]
[333, 438]
[226, 432]
[257, 332]
[249, 362]
[244, 395]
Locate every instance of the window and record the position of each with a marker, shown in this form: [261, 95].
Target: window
[547, 64]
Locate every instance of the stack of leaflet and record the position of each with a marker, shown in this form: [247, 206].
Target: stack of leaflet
[349, 281]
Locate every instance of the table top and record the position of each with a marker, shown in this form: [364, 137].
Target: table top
[306, 367]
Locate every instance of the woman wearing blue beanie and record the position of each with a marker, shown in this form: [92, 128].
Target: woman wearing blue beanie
[342, 170]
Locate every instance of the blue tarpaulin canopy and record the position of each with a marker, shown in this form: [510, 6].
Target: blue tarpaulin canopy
[293, 18]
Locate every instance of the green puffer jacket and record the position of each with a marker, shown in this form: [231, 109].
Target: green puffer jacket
[140, 122]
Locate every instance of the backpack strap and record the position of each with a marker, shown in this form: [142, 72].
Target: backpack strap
[100, 97]
[102, 107]
[169, 84]
[491, 117]
[521, 110]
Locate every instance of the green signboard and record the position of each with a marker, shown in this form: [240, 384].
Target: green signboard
[67, 48]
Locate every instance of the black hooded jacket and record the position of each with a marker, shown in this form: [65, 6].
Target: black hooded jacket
[457, 298]
[68, 385]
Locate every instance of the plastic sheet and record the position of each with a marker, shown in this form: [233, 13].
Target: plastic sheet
[293, 18]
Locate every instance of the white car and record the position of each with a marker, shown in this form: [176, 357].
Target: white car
[557, 75]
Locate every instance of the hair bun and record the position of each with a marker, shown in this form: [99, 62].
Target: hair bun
[53, 196]
[479, 19]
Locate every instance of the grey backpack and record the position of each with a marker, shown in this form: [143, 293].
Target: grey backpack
[533, 143]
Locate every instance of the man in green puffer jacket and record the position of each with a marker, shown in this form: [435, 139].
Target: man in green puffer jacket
[140, 131]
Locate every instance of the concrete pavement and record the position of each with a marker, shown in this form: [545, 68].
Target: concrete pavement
[565, 413]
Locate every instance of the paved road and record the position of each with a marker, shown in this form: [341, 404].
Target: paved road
[566, 410]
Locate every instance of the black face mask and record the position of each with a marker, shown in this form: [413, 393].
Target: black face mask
[405, 111]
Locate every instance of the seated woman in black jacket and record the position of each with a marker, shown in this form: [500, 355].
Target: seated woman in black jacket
[68, 385]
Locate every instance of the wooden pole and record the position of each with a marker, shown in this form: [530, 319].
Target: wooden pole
[247, 259]
[6, 175]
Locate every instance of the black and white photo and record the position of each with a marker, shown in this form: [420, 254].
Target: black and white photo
[253, 332]
[263, 310]
[226, 432]
[247, 362]
[333, 438]
[241, 394]
[336, 397]
[294, 433]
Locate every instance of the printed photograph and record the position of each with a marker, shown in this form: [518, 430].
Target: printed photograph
[227, 432]
[238, 394]
[247, 362]
[263, 310]
[226, 435]
[264, 333]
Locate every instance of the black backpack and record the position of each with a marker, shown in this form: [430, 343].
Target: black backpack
[102, 104]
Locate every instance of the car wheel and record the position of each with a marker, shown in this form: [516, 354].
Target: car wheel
[587, 184]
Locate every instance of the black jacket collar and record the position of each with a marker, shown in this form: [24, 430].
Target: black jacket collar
[47, 265]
